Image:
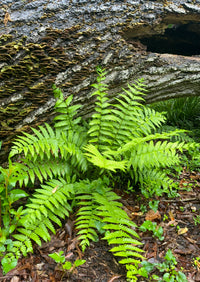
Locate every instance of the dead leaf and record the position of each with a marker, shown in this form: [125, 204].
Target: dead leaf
[193, 209]
[39, 266]
[183, 183]
[172, 218]
[182, 230]
[7, 18]
[151, 215]
[137, 213]
[14, 279]
[194, 176]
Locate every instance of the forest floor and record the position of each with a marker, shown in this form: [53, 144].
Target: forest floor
[179, 218]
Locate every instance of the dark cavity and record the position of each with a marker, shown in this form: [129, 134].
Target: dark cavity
[183, 39]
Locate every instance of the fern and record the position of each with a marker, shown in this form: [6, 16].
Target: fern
[49, 154]
[98, 159]
[69, 158]
[119, 230]
[100, 127]
[129, 141]
[67, 119]
[48, 205]
[86, 219]
[98, 204]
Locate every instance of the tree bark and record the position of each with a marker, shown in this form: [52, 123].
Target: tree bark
[44, 42]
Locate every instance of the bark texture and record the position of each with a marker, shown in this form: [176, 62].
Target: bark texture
[46, 41]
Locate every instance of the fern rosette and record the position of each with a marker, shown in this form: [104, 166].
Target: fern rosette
[74, 161]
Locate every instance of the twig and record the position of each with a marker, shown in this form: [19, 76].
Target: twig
[182, 200]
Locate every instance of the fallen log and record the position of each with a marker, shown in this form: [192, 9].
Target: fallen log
[44, 42]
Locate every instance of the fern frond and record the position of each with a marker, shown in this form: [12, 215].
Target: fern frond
[134, 120]
[95, 157]
[98, 204]
[118, 225]
[153, 182]
[119, 231]
[101, 127]
[127, 111]
[42, 169]
[21, 242]
[182, 136]
[66, 120]
[47, 205]
[86, 219]
[44, 142]
[149, 121]
[160, 154]
[54, 160]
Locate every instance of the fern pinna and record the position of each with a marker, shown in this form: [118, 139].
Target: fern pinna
[74, 163]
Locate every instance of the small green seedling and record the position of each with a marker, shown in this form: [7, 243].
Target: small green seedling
[196, 220]
[167, 268]
[66, 265]
[154, 205]
[143, 208]
[197, 262]
[165, 217]
[152, 226]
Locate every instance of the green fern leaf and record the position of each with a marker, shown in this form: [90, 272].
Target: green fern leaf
[128, 253]
[95, 157]
[130, 261]
[125, 247]
[120, 227]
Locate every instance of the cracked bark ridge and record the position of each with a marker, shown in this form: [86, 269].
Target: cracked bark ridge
[44, 42]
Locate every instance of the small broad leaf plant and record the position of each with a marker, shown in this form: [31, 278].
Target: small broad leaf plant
[76, 163]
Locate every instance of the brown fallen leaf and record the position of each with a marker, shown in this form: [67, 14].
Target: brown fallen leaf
[183, 183]
[14, 279]
[172, 218]
[151, 215]
[194, 176]
[137, 213]
[182, 230]
[6, 18]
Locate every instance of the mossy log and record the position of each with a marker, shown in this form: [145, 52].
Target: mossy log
[44, 42]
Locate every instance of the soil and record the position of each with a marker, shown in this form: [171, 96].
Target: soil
[181, 235]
